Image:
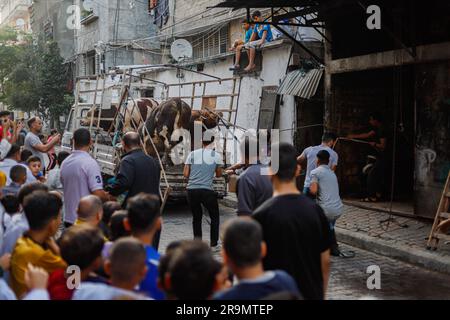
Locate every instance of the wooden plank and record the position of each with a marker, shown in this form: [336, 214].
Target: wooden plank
[445, 215]
[199, 82]
[442, 236]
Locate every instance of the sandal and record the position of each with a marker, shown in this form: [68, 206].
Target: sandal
[347, 254]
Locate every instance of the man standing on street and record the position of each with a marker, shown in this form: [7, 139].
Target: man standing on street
[295, 230]
[200, 167]
[138, 173]
[34, 144]
[80, 176]
[324, 185]
[309, 156]
[253, 188]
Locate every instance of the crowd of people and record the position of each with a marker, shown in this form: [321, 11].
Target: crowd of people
[67, 234]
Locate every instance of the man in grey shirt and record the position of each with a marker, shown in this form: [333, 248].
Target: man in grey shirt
[309, 156]
[324, 185]
[200, 168]
[34, 144]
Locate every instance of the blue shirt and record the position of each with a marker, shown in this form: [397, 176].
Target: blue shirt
[204, 163]
[248, 35]
[270, 282]
[260, 31]
[149, 284]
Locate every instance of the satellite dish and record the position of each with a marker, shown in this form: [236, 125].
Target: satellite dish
[88, 5]
[181, 49]
[20, 24]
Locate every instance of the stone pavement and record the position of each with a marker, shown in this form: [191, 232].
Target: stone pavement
[348, 279]
[398, 280]
[367, 230]
[403, 238]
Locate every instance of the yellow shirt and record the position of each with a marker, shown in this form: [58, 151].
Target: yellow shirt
[2, 179]
[27, 251]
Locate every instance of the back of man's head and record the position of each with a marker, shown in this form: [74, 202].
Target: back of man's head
[81, 245]
[25, 154]
[116, 225]
[89, 207]
[164, 262]
[131, 140]
[287, 162]
[109, 207]
[323, 156]
[242, 242]
[11, 204]
[192, 271]
[41, 208]
[127, 260]
[81, 138]
[18, 174]
[62, 155]
[143, 211]
[13, 152]
[29, 189]
[329, 137]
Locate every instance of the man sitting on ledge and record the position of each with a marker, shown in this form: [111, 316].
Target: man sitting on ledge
[261, 35]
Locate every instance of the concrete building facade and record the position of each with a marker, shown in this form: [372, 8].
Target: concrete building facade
[401, 72]
[50, 19]
[211, 32]
[107, 33]
[15, 14]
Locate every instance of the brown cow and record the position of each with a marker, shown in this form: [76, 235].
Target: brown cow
[165, 122]
[132, 119]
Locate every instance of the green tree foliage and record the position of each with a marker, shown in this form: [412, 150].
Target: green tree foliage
[33, 78]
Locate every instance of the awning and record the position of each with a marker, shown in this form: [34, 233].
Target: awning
[301, 84]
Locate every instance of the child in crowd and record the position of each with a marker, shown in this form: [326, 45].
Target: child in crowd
[126, 267]
[80, 246]
[37, 246]
[19, 223]
[193, 272]
[116, 229]
[116, 225]
[36, 280]
[109, 208]
[243, 251]
[18, 176]
[12, 207]
[35, 165]
[163, 269]
[54, 175]
[143, 221]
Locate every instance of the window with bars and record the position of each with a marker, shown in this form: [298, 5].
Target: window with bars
[211, 43]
